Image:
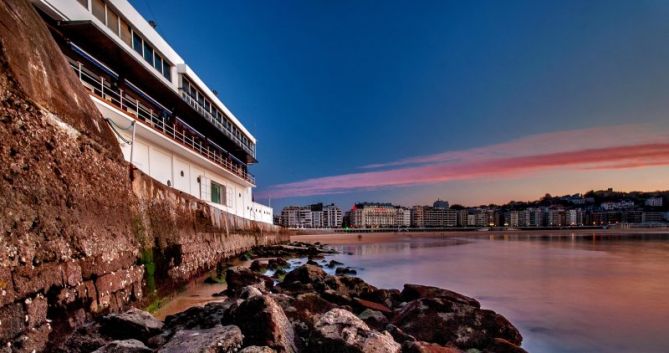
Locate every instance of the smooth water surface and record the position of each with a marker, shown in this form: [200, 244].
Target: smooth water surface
[565, 294]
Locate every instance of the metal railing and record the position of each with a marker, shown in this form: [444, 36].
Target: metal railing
[121, 100]
[210, 117]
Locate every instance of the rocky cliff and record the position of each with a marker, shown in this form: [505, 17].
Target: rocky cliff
[73, 234]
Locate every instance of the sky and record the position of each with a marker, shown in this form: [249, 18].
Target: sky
[474, 102]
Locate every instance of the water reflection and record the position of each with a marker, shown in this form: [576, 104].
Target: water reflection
[567, 293]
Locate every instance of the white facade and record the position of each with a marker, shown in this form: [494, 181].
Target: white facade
[225, 186]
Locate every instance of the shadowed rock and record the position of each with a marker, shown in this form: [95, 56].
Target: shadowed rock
[125, 346]
[217, 339]
[133, 323]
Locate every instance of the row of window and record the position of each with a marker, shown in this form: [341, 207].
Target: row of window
[200, 98]
[118, 25]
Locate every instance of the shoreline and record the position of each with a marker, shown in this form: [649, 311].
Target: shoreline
[384, 237]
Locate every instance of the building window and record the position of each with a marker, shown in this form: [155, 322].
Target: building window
[112, 21]
[137, 43]
[158, 62]
[126, 33]
[99, 10]
[148, 53]
[217, 193]
[83, 3]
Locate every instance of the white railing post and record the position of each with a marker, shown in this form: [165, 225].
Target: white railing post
[79, 65]
[102, 87]
[120, 99]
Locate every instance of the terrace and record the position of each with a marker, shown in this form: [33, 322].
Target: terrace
[147, 110]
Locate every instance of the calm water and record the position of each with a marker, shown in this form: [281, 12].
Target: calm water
[565, 294]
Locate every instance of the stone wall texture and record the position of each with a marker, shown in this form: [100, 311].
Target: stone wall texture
[76, 228]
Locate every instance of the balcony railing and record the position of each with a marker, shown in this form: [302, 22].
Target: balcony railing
[134, 107]
[210, 117]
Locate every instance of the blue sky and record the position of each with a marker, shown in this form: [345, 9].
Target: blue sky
[329, 87]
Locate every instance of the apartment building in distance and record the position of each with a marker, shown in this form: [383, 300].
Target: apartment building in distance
[311, 216]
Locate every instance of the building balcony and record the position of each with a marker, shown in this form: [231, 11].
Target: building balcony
[250, 149]
[177, 131]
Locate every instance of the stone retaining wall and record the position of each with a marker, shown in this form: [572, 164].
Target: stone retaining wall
[75, 227]
[186, 236]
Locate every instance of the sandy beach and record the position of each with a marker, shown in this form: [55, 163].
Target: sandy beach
[382, 237]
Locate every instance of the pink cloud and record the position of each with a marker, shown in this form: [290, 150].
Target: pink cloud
[618, 147]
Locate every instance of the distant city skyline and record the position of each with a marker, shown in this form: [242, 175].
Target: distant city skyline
[476, 102]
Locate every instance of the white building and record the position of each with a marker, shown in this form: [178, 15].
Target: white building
[403, 217]
[169, 124]
[654, 202]
[332, 216]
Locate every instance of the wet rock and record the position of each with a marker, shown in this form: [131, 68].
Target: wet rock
[306, 274]
[257, 349]
[13, 321]
[363, 304]
[214, 340]
[399, 335]
[238, 277]
[277, 263]
[124, 346]
[133, 323]
[500, 345]
[342, 271]
[374, 319]
[264, 323]
[204, 317]
[452, 323]
[339, 330]
[279, 273]
[333, 264]
[415, 291]
[425, 347]
[258, 266]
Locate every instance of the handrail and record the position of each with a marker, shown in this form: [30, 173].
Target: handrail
[133, 106]
[207, 115]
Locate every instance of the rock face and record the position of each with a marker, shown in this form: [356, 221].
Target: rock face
[218, 339]
[125, 346]
[66, 244]
[341, 331]
[132, 323]
[264, 323]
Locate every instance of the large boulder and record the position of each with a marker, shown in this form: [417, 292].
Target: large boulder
[133, 323]
[416, 291]
[217, 339]
[339, 331]
[238, 277]
[124, 346]
[264, 323]
[450, 323]
[198, 317]
[305, 274]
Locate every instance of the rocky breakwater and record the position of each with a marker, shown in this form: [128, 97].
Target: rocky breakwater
[310, 312]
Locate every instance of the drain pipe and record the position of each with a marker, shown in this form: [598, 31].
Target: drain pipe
[132, 142]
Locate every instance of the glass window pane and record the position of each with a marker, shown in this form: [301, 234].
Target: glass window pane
[112, 20]
[148, 53]
[84, 3]
[137, 43]
[99, 10]
[167, 72]
[215, 193]
[158, 62]
[125, 33]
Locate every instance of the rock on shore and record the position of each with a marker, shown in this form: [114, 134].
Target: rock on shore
[310, 312]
